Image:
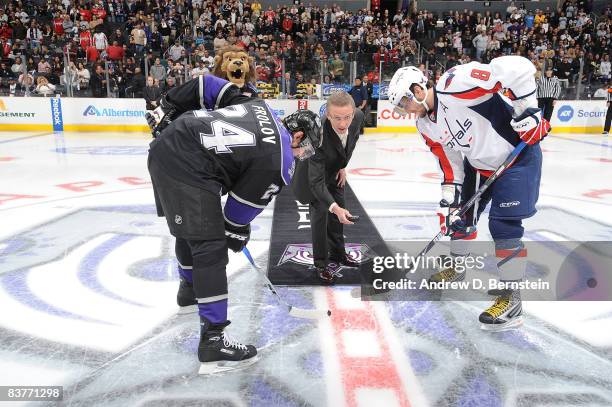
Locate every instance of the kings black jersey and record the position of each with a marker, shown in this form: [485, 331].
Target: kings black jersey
[242, 149]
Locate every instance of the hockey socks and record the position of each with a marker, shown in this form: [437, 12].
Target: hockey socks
[185, 297]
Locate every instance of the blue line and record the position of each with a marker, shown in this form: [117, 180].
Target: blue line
[586, 142]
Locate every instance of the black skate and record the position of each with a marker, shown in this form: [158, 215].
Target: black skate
[505, 313]
[185, 298]
[218, 352]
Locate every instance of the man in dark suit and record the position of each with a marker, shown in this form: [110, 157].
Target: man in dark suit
[320, 183]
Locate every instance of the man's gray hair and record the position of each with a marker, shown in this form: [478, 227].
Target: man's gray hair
[340, 98]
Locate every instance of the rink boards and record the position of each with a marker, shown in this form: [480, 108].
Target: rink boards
[89, 275]
[128, 115]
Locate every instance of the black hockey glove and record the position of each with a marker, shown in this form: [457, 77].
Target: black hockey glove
[161, 117]
[237, 236]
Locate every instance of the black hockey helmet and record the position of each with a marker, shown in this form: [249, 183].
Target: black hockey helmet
[308, 122]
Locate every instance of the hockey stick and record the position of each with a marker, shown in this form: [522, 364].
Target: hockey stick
[460, 212]
[293, 311]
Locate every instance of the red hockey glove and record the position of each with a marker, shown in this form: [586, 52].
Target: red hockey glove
[531, 126]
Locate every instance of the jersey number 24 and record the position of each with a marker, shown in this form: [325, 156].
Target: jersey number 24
[225, 135]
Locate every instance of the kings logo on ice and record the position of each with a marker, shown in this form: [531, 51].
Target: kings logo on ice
[302, 253]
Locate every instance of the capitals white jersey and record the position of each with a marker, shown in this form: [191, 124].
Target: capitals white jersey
[471, 118]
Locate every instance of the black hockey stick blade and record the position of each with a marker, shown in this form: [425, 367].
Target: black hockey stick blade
[293, 311]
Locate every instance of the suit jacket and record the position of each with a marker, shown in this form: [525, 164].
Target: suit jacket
[312, 176]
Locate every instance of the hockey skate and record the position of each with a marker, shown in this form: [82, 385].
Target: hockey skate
[505, 313]
[218, 352]
[185, 298]
[446, 275]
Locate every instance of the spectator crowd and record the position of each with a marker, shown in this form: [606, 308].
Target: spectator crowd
[107, 47]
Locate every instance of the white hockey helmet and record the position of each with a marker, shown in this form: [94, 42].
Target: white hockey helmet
[400, 87]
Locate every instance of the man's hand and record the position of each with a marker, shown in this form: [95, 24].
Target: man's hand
[342, 214]
[341, 178]
[531, 126]
[237, 237]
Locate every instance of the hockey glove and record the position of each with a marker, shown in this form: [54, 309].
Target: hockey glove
[451, 195]
[531, 126]
[161, 117]
[237, 236]
[449, 222]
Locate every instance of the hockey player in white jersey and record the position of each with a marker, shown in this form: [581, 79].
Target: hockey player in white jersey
[471, 128]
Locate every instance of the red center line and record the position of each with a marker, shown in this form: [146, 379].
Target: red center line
[372, 372]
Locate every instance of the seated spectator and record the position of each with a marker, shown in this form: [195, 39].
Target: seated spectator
[152, 93]
[137, 84]
[83, 76]
[604, 69]
[208, 58]
[176, 51]
[178, 71]
[290, 86]
[18, 67]
[70, 76]
[98, 82]
[25, 81]
[118, 36]
[200, 69]
[129, 68]
[12, 87]
[336, 68]
[43, 87]
[5, 73]
[563, 69]
[170, 83]
[219, 42]
[158, 71]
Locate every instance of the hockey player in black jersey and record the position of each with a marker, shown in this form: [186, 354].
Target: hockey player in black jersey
[211, 141]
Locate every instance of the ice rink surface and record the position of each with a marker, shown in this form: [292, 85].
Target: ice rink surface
[88, 284]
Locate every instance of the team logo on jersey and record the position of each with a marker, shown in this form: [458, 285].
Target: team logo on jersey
[456, 138]
[273, 189]
[449, 78]
[178, 219]
[302, 253]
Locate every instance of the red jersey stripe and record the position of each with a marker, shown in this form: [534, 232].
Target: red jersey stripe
[438, 151]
